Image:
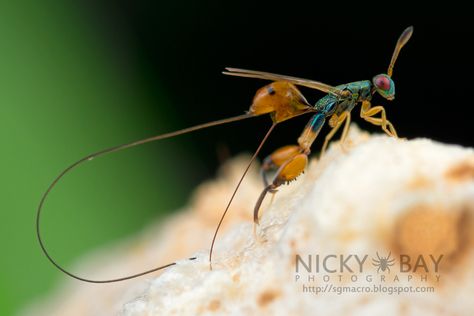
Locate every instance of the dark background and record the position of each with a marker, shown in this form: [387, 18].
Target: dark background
[186, 46]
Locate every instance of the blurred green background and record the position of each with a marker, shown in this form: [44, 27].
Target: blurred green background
[63, 95]
[77, 77]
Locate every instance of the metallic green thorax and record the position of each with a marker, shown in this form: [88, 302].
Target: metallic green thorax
[331, 104]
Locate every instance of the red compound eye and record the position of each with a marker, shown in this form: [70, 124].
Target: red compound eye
[382, 82]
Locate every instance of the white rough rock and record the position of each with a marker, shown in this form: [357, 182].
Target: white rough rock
[382, 196]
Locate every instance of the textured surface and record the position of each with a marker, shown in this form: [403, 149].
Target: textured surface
[382, 196]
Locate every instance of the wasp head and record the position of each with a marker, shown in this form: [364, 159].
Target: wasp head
[385, 86]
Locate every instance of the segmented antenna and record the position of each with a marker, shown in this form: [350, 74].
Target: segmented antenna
[402, 40]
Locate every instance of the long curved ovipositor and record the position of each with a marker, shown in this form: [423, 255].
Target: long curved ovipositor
[102, 153]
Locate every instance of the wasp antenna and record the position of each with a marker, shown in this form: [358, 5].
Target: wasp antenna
[108, 151]
[402, 40]
[237, 188]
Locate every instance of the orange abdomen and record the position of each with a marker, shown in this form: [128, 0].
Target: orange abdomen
[281, 99]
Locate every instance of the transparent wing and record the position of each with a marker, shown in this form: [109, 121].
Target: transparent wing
[275, 77]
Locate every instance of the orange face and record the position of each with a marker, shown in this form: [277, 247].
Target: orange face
[282, 99]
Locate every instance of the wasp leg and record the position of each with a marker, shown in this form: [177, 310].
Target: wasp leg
[367, 112]
[335, 122]
[269, 188]
[276, 159]
[390, 131]
[287, 172]
[290, 160]
[259, 203]
[345, 131]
